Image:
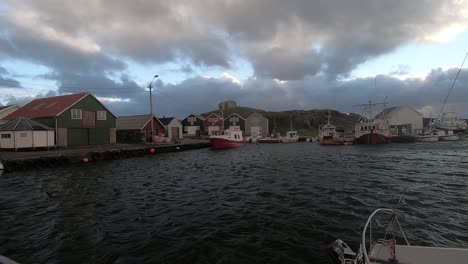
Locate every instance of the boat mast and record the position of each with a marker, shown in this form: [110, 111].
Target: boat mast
[290, 123]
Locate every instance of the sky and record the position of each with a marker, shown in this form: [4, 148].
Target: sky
[270, 54]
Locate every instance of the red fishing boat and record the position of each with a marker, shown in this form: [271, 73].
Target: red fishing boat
[372, 130]
[229, 138]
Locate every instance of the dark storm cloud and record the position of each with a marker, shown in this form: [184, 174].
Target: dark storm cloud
[312, 44]
[198, 95]
[278, 37]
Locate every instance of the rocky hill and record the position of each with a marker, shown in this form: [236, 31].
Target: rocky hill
[306, 122]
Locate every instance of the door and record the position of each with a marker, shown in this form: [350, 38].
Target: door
[174, 132]
[99, 136]
[77, 137]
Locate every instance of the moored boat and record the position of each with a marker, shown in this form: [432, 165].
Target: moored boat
[429, 134]
[451, 121]
[229, 138]
[387, 249]
[447, 135]
[329, 135]
[291, 137]
[372, 131]
[269, 140]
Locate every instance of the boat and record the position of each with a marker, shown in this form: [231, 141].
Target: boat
[447, 135]
[429, 134]
[291, 137]
[229, 138]
[386, 249]
[329, 135]
[371, 131]
[450, 121]
[269, 140]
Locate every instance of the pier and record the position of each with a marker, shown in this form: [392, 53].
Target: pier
[34, 160]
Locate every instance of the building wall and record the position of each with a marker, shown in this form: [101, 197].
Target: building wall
[256, 120]
[228, 122]
[212, 123]
[43, 139]
[192, 126]
[175, 123]
[77, 135]
[7, 143]
[23, 139]
[158, 127]
[407, 117]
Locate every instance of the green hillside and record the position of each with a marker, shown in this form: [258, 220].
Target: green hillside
[306, 122]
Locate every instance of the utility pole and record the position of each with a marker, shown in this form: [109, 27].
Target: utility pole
[150, 86]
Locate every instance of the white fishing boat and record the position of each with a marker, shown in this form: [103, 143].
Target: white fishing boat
[447, 135]
[329, 135]
[291, 137]
[451, 121]
[387, 249]
[429, 134]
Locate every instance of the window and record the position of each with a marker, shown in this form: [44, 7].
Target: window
[76, 114]
[6, 136]
[101, 115]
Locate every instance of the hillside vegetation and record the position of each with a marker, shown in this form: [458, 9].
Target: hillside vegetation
[306, 122]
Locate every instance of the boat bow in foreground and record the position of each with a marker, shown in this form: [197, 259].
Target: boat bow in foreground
[387, 250]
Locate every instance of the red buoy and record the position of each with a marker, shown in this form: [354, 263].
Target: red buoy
[85, 160]
[152, 150]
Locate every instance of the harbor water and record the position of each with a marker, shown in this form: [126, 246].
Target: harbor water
[278, 203]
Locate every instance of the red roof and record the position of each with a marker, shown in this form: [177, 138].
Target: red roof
[199, 116]
[47, 107]
[215, 114]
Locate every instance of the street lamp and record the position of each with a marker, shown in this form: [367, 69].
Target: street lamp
[150, 86]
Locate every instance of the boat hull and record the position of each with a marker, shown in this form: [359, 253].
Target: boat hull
[428, 138]
[449, 138]
[289, 140]
[221, 143]
[270, 140]
[372, 139]
[330, 142]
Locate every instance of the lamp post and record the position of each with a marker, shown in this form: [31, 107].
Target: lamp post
[150, 86]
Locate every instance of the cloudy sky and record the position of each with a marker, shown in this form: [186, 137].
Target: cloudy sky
[270, 54]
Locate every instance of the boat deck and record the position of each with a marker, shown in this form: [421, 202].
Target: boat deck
[419, 255]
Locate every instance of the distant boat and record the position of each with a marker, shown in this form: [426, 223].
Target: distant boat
[269, 140]
[429, 134]
[450, 121]
[291, 136]
[447, 135]
[329, 135]
[371, 131]
[229, 138]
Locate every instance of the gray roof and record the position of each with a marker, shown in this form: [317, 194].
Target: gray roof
[132, 122]
[166, 120]
[23, 124]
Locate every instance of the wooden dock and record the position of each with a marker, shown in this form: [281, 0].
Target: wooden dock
[22, 161]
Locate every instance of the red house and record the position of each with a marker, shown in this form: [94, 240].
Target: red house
[213, 122]
[141, 123]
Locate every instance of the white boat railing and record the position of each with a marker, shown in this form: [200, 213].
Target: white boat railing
[369, 226]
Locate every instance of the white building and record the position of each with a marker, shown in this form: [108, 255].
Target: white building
[402, 119]
[173, 127]
[23, 132]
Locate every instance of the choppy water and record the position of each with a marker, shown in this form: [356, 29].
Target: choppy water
[280, 203]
